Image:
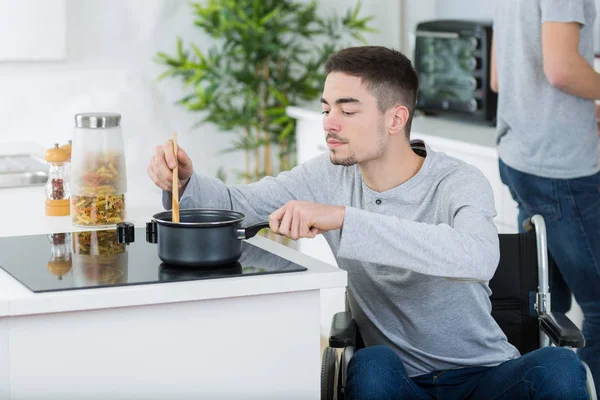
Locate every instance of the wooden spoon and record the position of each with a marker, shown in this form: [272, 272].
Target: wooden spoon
[175, 190]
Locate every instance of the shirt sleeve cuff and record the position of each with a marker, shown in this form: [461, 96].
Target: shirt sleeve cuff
[351, 232]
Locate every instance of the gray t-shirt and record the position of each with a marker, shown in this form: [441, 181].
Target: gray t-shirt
[418, 256]
[542, 130]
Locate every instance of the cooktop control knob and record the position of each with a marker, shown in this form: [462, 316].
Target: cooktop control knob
[125, 232]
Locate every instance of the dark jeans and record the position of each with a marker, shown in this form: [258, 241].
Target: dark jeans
[548, 373]
[571, 210]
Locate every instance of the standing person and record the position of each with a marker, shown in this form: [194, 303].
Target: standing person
[542, 57]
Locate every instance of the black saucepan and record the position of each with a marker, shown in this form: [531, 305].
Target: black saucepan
[203, 237]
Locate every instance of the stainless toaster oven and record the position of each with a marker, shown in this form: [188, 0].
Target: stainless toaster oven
[452, 59]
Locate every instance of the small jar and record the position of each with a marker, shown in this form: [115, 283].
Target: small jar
[98, 175]
[57, 186]
[60, 262]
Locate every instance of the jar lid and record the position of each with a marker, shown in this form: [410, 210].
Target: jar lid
[56, 155]
[97, 120]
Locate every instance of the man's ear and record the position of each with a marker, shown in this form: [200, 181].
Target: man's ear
[399, 115]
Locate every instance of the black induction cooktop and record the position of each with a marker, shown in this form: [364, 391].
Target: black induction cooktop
[94, 259]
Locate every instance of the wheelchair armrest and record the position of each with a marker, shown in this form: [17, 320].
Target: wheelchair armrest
[561, 330]
[343, 330]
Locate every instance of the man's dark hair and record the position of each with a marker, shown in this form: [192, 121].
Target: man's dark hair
[387, 74]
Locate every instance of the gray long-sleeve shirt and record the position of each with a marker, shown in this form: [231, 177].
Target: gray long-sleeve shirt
[399, 247]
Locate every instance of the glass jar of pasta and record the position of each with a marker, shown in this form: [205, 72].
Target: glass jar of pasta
[98, 258]
[98, 176]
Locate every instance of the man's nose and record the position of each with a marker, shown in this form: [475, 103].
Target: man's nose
[330, 124]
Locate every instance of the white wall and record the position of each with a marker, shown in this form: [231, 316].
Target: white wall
[465, 9]
[108, 67]
[42, 39]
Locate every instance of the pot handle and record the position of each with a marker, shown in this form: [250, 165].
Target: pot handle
[251, 231]
[151, 232]
[125, 233]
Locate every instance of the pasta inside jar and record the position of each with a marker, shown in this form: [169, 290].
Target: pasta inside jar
[98, 200]
[99, 258]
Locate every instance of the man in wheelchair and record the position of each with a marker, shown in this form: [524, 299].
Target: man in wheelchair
[419, 255]
[414, 230]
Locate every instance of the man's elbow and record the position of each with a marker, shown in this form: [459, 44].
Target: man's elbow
[485, 271]
[482, 269]
[488, 263]
[558, 76]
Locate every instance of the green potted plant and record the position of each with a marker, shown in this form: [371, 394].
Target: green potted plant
[268, 54]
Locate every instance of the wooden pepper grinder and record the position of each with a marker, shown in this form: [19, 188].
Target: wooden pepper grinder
[57, 187]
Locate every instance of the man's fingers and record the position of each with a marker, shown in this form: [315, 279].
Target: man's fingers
[286, 222]
[275, 219]
[162, 171]
[163, 163]
[295, 229]
[156, 180]
[313, 232]
[291, 221]
[169, 154]
[184, 159]
[158, 154]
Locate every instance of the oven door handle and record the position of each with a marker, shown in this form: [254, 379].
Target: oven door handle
[441, 35]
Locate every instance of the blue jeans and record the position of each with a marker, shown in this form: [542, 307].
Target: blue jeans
[547, 373]
[571, 210]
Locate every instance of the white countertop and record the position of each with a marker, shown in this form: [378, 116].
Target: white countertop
[11, 148]
[16, 299]
[22, 213]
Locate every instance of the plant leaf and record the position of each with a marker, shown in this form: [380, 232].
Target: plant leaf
[264, 56]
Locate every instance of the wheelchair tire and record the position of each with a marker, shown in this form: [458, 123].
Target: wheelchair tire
[328, 369]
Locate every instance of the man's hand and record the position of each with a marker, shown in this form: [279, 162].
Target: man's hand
[161, 166]
[303, 219]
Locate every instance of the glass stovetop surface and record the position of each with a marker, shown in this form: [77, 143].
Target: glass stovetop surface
[93, 259]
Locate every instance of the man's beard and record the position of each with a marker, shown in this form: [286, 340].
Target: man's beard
[346, 162]
[350, 160]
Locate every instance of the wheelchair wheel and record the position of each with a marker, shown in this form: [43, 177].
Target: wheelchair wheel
[328, 368]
